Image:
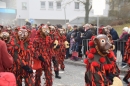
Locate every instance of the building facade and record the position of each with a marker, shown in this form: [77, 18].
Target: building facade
[7, 11]
[53, 11]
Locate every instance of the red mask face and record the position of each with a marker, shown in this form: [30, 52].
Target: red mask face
[62, 31]
[103, 43]
[5, 36]
[23, 34]
[45, 30]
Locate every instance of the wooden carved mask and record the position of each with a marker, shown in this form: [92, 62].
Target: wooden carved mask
[5, 36]
[103, 43]
[23, 34]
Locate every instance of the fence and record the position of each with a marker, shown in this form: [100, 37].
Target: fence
[119, 49]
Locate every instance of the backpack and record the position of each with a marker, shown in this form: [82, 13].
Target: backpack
[7, 79]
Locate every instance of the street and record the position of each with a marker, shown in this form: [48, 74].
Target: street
[72, 76]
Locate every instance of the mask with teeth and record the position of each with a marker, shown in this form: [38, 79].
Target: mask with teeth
[5, 36]
[62, 31]
[103, 43]
[23, 34]
[45, 30]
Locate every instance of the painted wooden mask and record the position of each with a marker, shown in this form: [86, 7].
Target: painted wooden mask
[23, 34]
[103, 43]
[5, 36]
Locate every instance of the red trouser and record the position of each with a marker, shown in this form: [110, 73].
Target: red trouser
[20, 74]
[46, 67]
[61, 56]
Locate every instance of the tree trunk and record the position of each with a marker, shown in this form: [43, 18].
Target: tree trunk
[87, 11]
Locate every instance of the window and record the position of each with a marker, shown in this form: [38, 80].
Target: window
[43, 4]
[50, 5]
[24, 5]
[58, 5]
[76, 5]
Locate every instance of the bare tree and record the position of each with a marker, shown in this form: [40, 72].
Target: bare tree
[88, 7]
[119, 8]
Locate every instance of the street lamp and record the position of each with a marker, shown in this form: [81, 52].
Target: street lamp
[98, 10]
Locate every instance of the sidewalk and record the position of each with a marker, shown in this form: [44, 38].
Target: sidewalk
[81, 63]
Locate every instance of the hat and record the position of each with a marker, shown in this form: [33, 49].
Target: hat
[126, 29]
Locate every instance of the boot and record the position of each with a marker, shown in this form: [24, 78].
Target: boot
[57, 75]
[125, 79]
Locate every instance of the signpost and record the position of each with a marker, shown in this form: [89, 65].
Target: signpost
[98, 6]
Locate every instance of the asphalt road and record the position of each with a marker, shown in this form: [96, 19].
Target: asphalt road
[72, 76]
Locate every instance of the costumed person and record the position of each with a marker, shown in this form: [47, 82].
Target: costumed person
[126, 57]
[100, 62]
[5, 36]
[55, 50]
[22, 51]
[43, 45]
[63, 45]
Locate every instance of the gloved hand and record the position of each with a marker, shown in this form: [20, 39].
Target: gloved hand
[111, 76]
[27, 69]
[41, 58]
[58, 46]
[54, 60]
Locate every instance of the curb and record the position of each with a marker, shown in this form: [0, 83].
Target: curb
[80, 63]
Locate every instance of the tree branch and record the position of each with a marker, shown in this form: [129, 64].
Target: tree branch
[81, 2]
[90, 8]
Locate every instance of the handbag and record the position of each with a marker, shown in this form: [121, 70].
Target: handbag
[75, 54]
[36, 64]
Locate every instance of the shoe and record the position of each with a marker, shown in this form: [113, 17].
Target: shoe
[58, 77]
[124, 66]
[126, 81]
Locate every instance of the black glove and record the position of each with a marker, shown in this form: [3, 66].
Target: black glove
[54, 60]
[41, 58]
[27, 69]
[111, 76]
[58, 46]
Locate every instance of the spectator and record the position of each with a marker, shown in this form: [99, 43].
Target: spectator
[6, 60]
[93, 29]
[79, 40]
[114, 37]
[87, 35]
[122, 43]
[36, 27]
[69, 32]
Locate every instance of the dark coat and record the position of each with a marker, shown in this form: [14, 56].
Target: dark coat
[68, 35]
[114, 34]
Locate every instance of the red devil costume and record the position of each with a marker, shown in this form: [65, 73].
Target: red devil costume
[56, 50]
[127, 59]
[62, 50]
[22, 51]
[43, 56]
[100, 62]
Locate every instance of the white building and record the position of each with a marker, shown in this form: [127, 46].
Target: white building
[54, 11]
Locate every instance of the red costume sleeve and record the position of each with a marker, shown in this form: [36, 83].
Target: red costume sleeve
[7, 59]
